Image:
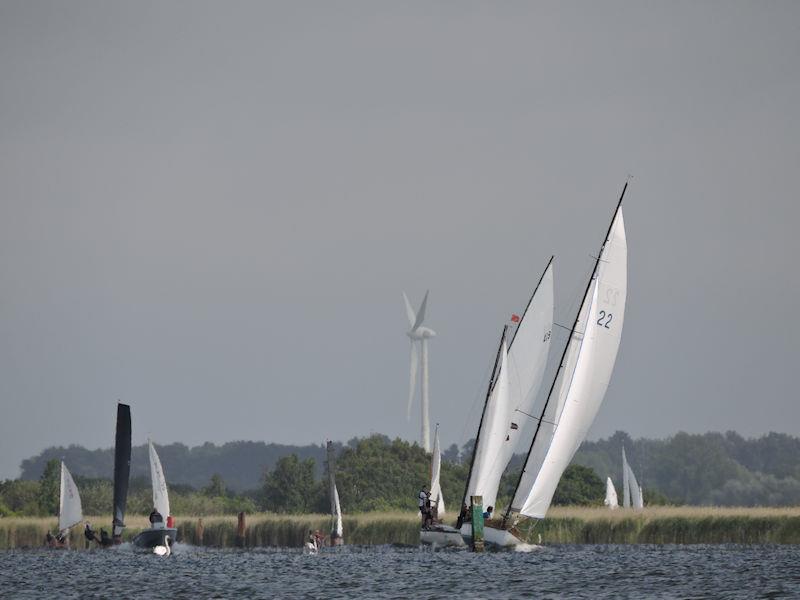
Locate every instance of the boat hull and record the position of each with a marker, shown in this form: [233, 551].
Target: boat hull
[497, 539]
[442, 536]
[150, 538]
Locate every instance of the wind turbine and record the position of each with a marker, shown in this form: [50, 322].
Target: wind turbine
[419, 335]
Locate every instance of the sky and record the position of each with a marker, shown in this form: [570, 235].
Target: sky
[210, 210]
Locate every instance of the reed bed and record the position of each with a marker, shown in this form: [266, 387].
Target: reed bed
[564, 525]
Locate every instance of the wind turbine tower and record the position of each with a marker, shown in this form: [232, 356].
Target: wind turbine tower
[419, 335]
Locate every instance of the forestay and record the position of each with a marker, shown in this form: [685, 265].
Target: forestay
[70, 511]
[436, 467]
[160, 495]
[586, 371]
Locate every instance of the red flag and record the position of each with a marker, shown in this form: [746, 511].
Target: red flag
[515, 318]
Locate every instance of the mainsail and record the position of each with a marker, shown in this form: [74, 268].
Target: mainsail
[122, 467]
[611, 494]
[512, 390]
[336, 508]
[583, 376]
[69, 504]
[160, 495]
[632, 491]
[436, 467]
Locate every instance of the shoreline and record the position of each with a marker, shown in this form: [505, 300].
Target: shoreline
[563, 525]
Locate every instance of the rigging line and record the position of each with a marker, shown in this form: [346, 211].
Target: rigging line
[566, 348]
[540, 419]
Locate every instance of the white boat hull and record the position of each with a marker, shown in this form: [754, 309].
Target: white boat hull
[442, 536]
[498, 539]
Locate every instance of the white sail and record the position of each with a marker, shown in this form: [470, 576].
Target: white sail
[633, 490]
[611, 494]
[160, 495]
[436, 466]
[527, 359]
[338, 511]
[589, 361]
[488, 465]
[69, 504]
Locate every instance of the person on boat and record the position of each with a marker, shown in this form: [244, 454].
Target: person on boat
[61, 539]
[463, 516]
[156, 517]
[312, 540]
[48, 539]
[424, 506]
[104, 539]
[488, 514]
[89, 533]
[319, 539]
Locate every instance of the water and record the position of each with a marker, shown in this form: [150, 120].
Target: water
[617, 572]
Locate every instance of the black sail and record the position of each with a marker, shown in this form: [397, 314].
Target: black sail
[122, 467]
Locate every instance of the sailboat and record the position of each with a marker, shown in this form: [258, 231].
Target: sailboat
[515, 381]
[611, 495]
[160, 536]
[577, 390]
[337, 530]
[438, 534]
[70, 512]
[631, 490]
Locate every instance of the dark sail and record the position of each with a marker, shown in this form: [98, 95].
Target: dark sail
[122, 468]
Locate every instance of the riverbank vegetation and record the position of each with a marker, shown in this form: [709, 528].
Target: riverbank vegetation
[563, 525]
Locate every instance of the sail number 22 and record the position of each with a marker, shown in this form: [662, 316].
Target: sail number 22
[605, 319]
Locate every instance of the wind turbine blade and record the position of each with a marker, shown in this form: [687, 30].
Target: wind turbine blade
[412, 387]
[421, 312]
[409, 311]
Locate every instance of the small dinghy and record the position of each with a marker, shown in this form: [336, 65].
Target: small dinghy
[437, 534]
[70, 512]
[160, 537]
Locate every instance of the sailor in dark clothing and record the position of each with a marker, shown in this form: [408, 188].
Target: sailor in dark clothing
[89, 533]
[48, 539]
[155, 517]
[104, 539]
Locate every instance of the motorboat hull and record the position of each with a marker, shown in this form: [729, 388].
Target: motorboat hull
[442, 536]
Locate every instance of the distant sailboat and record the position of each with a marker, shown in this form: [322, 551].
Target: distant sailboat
[631, 490]
[70, 512]
[337, 531]
[611, 495]
[578, 388]
[160, 536]
[515, 381]
[437, 499]
[438, 534]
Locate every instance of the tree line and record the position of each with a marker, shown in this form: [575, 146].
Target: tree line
[377, 473]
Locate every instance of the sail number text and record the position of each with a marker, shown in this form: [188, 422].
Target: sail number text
[605, 319]
[546, 336]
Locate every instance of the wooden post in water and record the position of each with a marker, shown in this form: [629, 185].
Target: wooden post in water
[476, 508]
[240, 531]
[199, 533]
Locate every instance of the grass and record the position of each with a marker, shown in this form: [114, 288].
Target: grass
[564, 525]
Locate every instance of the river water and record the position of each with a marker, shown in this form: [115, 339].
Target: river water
[399, 572]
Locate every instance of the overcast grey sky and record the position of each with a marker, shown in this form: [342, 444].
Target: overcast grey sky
[209, 210]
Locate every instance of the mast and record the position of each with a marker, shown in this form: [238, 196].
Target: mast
[483, 414]
[564, 354]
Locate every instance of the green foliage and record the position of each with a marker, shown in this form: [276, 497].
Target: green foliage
[216, 487]
[20, 497]
[579, 485]
[292, 488]
[49, 487]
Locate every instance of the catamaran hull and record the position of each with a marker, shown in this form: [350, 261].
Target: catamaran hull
[442, 536]
[497, 539]
[151, 538]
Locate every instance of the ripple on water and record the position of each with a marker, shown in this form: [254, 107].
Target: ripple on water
[617, 572]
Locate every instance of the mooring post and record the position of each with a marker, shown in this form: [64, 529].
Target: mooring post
[199, 532]
[476, 508]
[240, 531]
